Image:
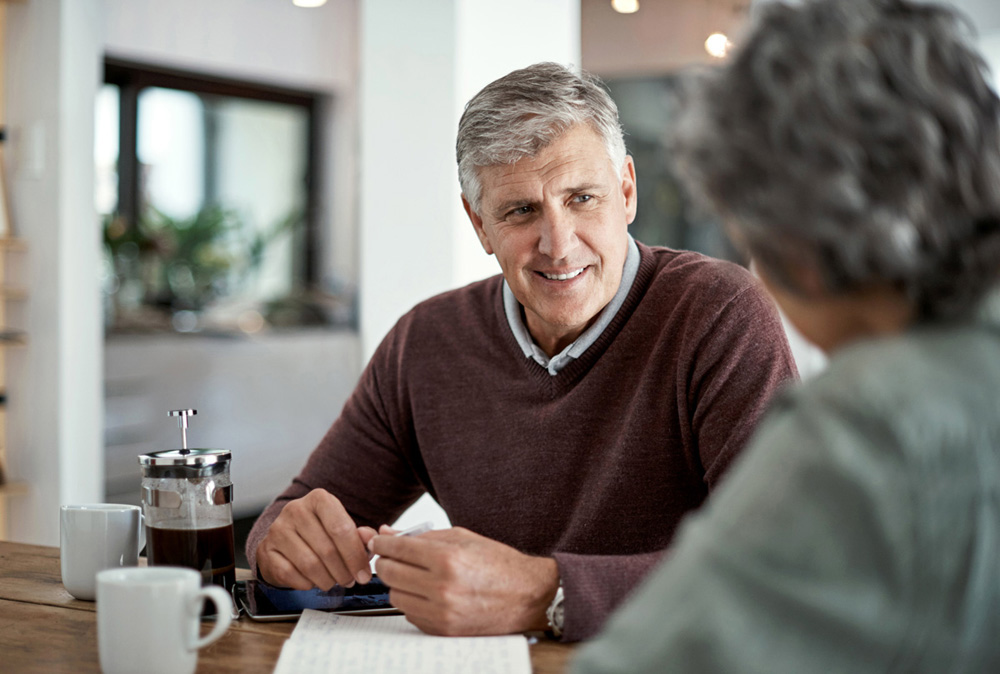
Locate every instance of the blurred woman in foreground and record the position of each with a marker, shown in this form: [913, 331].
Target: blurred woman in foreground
[852, 148]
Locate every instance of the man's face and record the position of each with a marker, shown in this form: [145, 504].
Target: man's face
[557, 224]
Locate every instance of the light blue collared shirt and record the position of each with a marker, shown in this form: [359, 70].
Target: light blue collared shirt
[531, 350]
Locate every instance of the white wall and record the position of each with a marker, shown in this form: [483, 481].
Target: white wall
[54, 412]
[406, 94]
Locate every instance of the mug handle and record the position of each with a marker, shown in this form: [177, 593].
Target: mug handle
[223, 613]
[142, 533]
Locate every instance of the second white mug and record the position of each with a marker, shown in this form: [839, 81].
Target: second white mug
[148, 618]
[94, 537]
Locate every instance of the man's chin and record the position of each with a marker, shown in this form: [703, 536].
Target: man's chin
[566, 322]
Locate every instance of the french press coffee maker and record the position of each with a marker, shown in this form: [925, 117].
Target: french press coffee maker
[187, 500]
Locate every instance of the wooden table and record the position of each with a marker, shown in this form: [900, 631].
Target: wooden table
[44, 629]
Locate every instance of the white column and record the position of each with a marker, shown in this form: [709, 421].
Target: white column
[420, 63]
[55, 408]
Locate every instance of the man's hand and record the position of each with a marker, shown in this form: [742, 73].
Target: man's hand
[314, 543]
[455, 582]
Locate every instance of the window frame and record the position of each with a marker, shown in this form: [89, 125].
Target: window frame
[132, 77]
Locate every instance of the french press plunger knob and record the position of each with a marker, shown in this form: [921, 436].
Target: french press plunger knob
[182, 421]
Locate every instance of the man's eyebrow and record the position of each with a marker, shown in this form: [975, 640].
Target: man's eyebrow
[506, 206]
[585, 187]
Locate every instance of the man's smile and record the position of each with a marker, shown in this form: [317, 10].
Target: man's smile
[563, 276]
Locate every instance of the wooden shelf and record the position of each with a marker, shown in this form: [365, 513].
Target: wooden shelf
[13, 293]
[14, 489]
[13, 243]
[11, 249]
[13, 338]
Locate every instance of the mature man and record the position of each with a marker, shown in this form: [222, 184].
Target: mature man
[566, 414]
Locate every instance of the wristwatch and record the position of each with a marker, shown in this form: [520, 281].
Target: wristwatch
[555, 614]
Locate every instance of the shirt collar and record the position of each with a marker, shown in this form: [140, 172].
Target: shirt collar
[512, 309]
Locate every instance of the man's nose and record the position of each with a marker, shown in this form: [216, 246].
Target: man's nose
[557, 235]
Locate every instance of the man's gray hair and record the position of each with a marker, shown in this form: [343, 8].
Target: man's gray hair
[857, 136]
[519, 114]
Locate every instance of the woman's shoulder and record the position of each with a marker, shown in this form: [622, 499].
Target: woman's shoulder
[930, 396]
[925, 366]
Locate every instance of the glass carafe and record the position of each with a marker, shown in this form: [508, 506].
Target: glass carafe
[187, 500]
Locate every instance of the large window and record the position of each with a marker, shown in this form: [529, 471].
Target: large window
[205, 190]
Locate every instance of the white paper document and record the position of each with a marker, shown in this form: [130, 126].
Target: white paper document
[327, 643]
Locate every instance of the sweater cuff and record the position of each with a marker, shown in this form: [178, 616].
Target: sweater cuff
[594, 585]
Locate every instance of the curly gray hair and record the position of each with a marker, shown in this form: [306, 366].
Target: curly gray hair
[858, 136]
[519, 114]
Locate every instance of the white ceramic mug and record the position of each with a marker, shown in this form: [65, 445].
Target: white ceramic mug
[95, 537]
[148, 618]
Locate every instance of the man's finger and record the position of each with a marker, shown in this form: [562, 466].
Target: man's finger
[403, 576]
[417, 609]
[290, 576]
[278, 570]
[367, 534]
[294, 544]
[341, 530]
[415, 550]
[423, 613]
[312, 532]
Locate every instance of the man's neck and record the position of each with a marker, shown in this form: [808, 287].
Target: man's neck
[550, 343]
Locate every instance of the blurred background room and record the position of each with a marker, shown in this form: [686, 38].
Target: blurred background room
[224, 205]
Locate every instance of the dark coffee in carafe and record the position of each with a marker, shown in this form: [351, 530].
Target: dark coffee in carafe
[209, 551]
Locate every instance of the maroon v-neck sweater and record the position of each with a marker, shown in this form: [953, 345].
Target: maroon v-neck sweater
[594, 466]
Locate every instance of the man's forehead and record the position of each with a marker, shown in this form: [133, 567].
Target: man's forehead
[560, 176]
[564, 169]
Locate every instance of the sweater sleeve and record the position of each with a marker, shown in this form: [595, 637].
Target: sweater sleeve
[362, 459]
[731, 368]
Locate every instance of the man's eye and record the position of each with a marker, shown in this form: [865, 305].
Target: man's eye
[583, 198]
[523, 210]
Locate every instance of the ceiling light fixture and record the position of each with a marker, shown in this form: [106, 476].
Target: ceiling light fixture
[625, 6]
[308, 3]
[718, 45]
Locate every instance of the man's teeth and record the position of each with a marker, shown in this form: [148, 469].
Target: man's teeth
[563, 277]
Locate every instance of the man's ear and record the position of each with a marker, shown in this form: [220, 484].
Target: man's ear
[629, 190]
[477, 223]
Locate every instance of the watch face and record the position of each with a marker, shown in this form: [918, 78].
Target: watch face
[555, 613]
